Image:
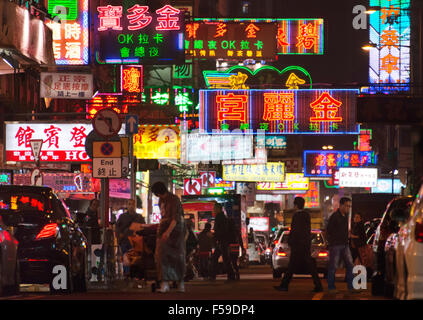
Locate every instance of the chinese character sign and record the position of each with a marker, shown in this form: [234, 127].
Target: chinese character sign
[62, 142]
[269, 172]
[358, 177]
[279, 111]
[71, 36]
[231, 40]
[157, 142]
[390, 31]
[324, 163]
[131, 79]
[134, 33]
[66, 85]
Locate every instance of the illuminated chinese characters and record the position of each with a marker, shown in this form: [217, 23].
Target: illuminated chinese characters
[131, 77]
[279, 111]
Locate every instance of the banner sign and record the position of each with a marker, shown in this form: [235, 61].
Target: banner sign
[293, 181]
[204, 148]
[60, 182]
[323, 163]
[270, 172]
[71, 36]
[62, 142]
[308, 111]
[128, 33]
[358, 177]
[157, 142]
[231, 40]
[66, 85]
[259, 223]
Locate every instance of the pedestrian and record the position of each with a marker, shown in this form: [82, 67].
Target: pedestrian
[235, 245]
[170, 247]
[205, 248]
[91, 224]
[191, 243]
[222, 243]
[123, 230]
[358, 237]
[300, 243]
[337, 235]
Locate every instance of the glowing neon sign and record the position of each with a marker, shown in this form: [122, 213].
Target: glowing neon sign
[131, 78]
[279, 111]
[390, 31]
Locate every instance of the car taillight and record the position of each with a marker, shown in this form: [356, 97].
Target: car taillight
[281, 253]
[323, 254]
[419, 232]
[275, 242]
[48, 231]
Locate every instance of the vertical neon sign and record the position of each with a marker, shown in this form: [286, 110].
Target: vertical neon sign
[389, 67]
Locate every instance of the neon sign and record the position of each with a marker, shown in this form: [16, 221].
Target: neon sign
[279, 111]
[71, 36]
[390, 31]
[131, 79]
[322, 163]
[134, 35]
[312, 196]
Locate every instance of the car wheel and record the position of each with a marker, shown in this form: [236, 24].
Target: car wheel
[277, 274]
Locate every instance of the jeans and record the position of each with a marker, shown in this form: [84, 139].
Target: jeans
[336, 253]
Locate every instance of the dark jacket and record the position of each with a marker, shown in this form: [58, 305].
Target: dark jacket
[234, 234]
[358, 230]
[220, 228]
[300, 234]
[337, 229]
[205, 241]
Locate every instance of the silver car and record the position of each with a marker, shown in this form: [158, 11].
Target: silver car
[9, 271]
[281, 253]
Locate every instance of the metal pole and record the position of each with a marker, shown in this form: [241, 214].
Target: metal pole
[132, 173]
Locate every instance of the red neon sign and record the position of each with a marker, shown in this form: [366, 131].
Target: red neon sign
[325, 108]
[167, 22]
[232, 107]
[308, 36]
[252, 30]
[110, 17]
[279, 106]
[131, 78]
[137, 18]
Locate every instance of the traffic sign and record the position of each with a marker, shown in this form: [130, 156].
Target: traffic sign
[107, 168]
[208, 178]
[192, 186]
[107, 149]
[106, 123]
[131, 121]
[36, 145]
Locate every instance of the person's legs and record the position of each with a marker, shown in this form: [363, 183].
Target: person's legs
[313, 271]
[287, 277]
[227, 262]
[349, 265]
[333, 262]
[214, 263]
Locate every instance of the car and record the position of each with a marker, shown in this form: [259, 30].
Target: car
[49, 240]
[319, 252]
[253, 249]
[408, 284]
[9, 266]
[396, 212]
[264, 249]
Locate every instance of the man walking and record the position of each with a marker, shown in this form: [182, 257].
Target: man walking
[337, 235]
[300, 243]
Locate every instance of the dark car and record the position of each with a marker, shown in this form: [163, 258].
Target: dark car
[397, 211]
[9, 267]
[49, 240]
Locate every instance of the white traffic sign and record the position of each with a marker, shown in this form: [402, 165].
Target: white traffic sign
[208, 178]
[192, 186]
[107, 168]
[106, 123]
[36, 145]
[36, 178]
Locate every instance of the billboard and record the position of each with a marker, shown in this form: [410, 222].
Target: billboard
[66, 85]
[127, 33]
[259, 224]
[293, 181]
[358, 177]
[269, 172]
[320, 111]
[60, 182]
[157, 142]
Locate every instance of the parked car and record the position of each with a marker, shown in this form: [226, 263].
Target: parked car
[47, 237]
[9, 266]
[253, 249]
[265, 251]
[409, 254]
[396, 213]
[370, 228]
[282, 252]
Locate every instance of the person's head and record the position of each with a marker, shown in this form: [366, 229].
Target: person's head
[345, 204]
[94, 204]
[299, 203]
[357, 217]
[251, 230]
[207, 227]
[189, 223]
[132, 205]
[159, 189]
[217, 208]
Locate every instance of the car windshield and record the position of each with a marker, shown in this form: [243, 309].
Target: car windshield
[316, 238]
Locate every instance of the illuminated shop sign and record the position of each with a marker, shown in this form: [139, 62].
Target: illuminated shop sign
[259, 224]
[62, 142]
[269, 172]
[279, 111]
[271, 141]
[390, 32]
[363, 143]
[358, 177]
[66, 85]
[312, 196]
[157, 142]
[117, 102]
[237, 38]
[293, 181]
[260, 157]
[5, 178]
[385, 186]
[322, 163]
[60, 182]
[135, 34]
[131, 79]
[226, 185]
[180, 96]
[241, 77]
[71, 36]
[231, 40]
